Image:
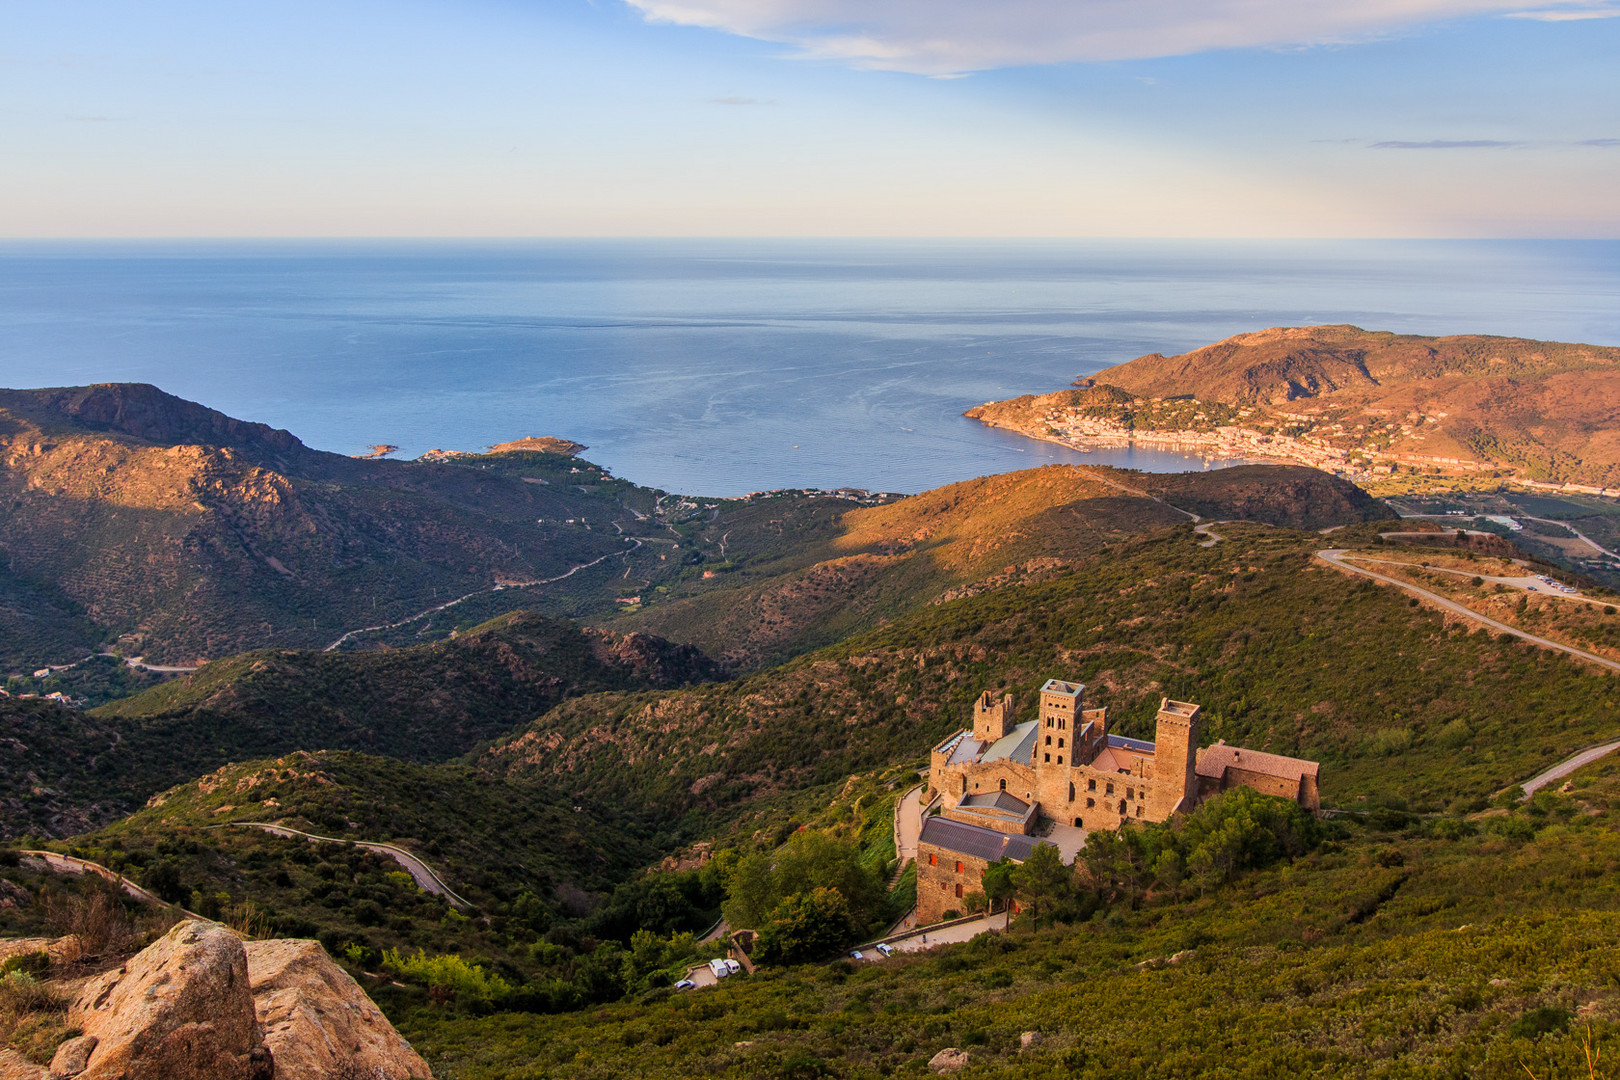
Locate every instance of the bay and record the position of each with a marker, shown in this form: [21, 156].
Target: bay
[721, 367]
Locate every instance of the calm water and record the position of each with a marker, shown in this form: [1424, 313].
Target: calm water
[725, 367]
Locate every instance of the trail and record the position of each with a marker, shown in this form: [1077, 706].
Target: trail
[69, 864]
[1567, 766]
[1335, 557]
[635, 541]
[420, 871]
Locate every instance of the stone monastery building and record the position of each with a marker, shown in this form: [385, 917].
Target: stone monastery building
[995, 782]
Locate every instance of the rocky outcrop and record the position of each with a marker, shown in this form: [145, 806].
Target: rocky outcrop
[202, 1005]
[181, 1009]
[317, 1021]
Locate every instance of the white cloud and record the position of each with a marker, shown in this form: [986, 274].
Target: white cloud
[945, 37]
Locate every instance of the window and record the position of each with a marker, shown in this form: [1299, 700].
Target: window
[1060, 740]
[1122, 808]
[1048, 757]
[1004, 785]
[1138, 809]
[1110, 790]
[1062, 724]
[1049, 740]
[1078, 824]
[933, 860]
[1091, 785]
[959, 889]
[1060, 759]
[1130, 793]
[1071, 793]
[958, 868]
[1089, 804]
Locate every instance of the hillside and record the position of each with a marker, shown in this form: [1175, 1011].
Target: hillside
[881, 562]
[422, 704]
[1544, 411]
[186, 534]
[1284, 654]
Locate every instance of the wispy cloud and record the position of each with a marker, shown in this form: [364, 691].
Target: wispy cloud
[1444, 144]
[1599, 142]
[951, 37]
[1599, 9]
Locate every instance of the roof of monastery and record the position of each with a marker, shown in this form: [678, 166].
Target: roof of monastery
[995, 800]
[1068, 689]
[1213, 761]
[1018, 744]
[1141, 746]
[970, 840]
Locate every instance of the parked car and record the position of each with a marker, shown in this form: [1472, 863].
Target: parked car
[733, 966]
[685, 984]
[855, 954]
[885, 948]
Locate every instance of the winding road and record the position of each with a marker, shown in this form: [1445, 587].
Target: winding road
[70, 864]
[420, 871]
[1567, 766]
[1335, 557]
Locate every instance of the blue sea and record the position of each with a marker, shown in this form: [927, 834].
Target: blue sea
[722, 367]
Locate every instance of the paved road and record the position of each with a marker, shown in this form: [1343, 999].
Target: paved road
[928, 938]
[420, 871]
[1525, 582]
[69, 864]
[1334, 557]
[1567, 766]
[908, 825]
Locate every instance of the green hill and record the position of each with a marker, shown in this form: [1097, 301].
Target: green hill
[1284, 654]
[426, 703]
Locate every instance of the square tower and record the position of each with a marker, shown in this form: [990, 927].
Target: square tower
[992, 719]
[1175, 758]
[1060, 706]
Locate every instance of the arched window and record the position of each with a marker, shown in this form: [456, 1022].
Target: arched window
[1004, 785]
[1060, 759]
[1060, 740]
[1049, 740]
[1071, 793]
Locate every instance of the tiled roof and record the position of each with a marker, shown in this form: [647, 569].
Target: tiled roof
[1213, 761]
[995, 800]
[1141, 746]
[1107, 762]
[1017, 745]
[973, 841]
[1068, 689]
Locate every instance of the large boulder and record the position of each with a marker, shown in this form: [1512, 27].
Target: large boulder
[317, 1021]
[181, 1009]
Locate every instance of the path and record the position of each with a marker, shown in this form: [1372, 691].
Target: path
[71, 864]
[1525, 582]
[420, 871]
[1334, 557]
[1567, 766]
[1203, 528]
[1138, 492]
[636, 541]
[907, 828]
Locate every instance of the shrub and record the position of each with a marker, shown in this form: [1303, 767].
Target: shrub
[449, 977]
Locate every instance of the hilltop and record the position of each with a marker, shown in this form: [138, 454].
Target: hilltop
[877, 563]
[1359, 400]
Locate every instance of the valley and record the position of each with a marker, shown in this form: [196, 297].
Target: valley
[673, 714]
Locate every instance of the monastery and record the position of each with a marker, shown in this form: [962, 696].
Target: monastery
[997, 781]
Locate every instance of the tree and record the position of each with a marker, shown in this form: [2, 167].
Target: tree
[808, 926]
[751, 893]
[1043, 881]
[999, 884]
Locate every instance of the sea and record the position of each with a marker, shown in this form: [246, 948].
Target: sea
[720, 367]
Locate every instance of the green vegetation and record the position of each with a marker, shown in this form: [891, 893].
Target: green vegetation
[1451, 946]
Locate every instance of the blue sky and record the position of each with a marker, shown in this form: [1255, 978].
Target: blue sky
[810, 118]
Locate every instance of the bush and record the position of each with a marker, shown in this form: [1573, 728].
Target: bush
[449, 978]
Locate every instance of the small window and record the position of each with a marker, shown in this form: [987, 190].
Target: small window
[1004, 785]
[1048, 757]
[1091, 785]
[959, 868]
[1110, 790]
[1122, 808]
[1060, 759]
[1071, 793]
[1130, 793]
[1060, 740]
[1089, 804]
[1063, 724]
[1049, 740]
[1138, 809]
[933, 860]
[959, 889]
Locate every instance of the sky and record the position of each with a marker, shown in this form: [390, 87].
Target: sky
[821, 118]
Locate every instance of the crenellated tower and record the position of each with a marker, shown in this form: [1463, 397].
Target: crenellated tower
[1175, 756]
[992, 719]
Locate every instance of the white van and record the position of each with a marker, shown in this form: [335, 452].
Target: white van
[733, 966]
[721, 968]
